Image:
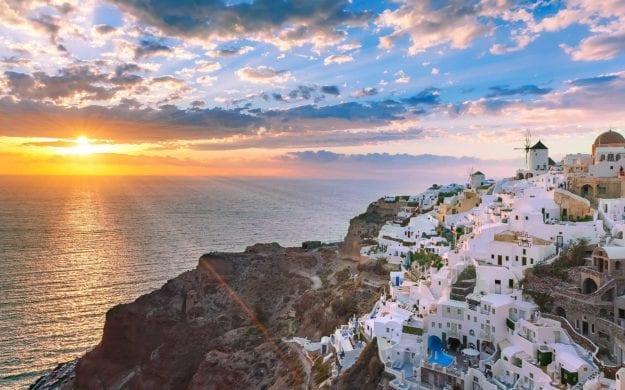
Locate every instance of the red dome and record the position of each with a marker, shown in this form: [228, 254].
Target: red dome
[609, 138]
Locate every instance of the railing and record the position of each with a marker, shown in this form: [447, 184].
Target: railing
[608, 369]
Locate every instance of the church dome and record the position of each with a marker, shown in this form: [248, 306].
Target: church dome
[609, 138]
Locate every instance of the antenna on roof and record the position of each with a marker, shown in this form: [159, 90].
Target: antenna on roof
[528, 145]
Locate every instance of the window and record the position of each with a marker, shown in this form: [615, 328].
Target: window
[526, 218]
[532, 261]
[516, 217]
[459, 311]
[592, 328]
[524, 251]
[524, 260]
[448, 310]
[510, 283]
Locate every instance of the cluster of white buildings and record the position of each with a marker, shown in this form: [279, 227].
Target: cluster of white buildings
[464, 323]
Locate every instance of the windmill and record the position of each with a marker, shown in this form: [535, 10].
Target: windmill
[470, 173]
[528, 145]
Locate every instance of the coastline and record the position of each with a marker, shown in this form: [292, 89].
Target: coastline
[335, 257]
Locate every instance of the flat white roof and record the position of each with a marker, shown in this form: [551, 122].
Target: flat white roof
[454, 303]
[497, 300]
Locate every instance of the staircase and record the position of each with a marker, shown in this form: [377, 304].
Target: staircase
[461, 289]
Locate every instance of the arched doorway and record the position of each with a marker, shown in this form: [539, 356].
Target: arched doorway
[589, 286]
[453, 344]
[560, 311]
[529, 175]
[587, 191]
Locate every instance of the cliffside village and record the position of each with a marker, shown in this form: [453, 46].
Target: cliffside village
[454, 314]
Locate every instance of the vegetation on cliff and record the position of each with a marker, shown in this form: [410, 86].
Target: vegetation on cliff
[366, 373]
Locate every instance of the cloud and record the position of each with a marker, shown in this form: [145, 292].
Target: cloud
[348, 123]
[82, 82]
[429, 96]
[429, 24]
[307, 139]
[330, 89]
[598, 47]
[434, 71]
[207, 66]
[149, 48]
[263, 75]
[401, 77]
[337, 59]
[598, 80]
[230, 51]
[104, 29]
[302, 92]
[367, 91]
[350, 46]
[49, 24]
[384, 159]
[284, 23]
[504, 90]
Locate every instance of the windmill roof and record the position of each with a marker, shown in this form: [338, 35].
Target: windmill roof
[477, 173]
[539, 145]
[551, 162]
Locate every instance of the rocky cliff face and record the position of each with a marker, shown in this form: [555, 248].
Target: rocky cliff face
[221, 325]
[365, 227]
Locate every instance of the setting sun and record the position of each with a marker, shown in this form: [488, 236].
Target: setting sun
[83, 146]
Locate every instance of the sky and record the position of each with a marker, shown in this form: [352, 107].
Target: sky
[328, 88]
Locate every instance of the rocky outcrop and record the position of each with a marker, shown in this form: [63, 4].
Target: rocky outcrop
[221, 325]
[365, 227]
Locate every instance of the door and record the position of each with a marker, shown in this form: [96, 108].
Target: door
[585, 328]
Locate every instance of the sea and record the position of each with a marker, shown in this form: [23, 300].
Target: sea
[73, 247]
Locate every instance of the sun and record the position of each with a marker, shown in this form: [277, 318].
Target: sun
[82, 140]
[83, 146]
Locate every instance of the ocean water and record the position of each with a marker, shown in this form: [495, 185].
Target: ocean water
[72, 247]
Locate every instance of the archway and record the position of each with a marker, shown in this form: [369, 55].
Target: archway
[453, 344]
[529, 175]
[520, 176]
[587, 191]
[560, 311]
[589, 286]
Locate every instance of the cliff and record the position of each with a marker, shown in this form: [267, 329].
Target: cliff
[365, 227]
[221, 325]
